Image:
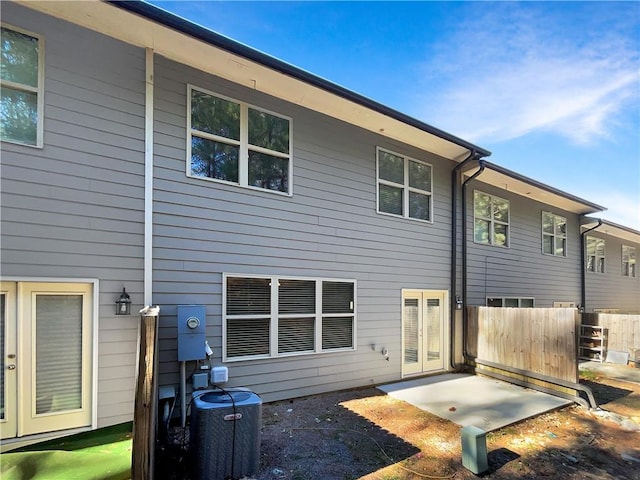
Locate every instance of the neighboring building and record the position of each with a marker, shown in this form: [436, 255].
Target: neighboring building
[523, 242]
[317, 227]
[610, 264]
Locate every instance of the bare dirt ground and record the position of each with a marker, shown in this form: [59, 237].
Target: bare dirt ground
[364, 434]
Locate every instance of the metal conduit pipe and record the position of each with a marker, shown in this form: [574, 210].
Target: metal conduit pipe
[583, 268]
[473, 155]
[544, 378]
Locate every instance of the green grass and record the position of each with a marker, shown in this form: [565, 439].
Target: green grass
[590, 375]
[103, 454]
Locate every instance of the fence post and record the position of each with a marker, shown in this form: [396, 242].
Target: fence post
[145, 410]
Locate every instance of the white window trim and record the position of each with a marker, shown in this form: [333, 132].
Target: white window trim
[554, 235]
[629, 261]
[492, 222]
[273, 316]
[39, 91]
[564, 304]
[533, 300]
[596, 257]
[405, 187]
[243, 143]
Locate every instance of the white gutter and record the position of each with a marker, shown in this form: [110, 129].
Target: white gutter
[148, 179]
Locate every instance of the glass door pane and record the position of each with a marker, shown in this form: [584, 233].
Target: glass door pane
[433, 327]
[58, 353]
[411, 330]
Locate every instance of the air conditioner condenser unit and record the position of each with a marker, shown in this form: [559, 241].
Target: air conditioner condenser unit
[225, 433]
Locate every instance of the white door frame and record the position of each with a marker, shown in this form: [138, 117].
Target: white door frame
[93, 336]
[423, 365]
[9, 424]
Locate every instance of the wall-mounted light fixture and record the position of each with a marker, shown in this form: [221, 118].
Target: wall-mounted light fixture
[123, 304]
[458, 302]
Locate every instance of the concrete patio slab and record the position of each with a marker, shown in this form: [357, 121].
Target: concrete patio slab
[473, 400]
[613, 370]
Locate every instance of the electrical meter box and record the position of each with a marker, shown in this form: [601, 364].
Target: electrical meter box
[191, 332]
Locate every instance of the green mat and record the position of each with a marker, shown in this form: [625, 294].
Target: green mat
[103, 454]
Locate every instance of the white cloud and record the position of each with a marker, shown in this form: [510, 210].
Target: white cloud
[624, 209]
[516, 71]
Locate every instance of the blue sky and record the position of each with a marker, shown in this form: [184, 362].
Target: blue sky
[551, 88]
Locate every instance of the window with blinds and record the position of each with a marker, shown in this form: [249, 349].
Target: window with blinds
[276, 316]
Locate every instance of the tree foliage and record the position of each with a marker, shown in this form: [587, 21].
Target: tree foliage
[19, 74]
[266, 154]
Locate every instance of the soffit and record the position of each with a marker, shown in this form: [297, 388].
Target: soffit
[612, 229]
[182, 48]
[534, 190]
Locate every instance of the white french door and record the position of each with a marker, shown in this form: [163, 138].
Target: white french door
[423, 331]
[46, 357]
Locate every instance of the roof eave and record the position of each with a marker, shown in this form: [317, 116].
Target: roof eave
[186, 27]
[514, 182]
[610, 228]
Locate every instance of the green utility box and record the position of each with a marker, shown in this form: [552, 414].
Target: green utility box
[474, 449]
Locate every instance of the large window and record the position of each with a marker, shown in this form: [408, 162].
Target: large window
[628, 261]
[595, 254]
[554, 234]
[278, 316]
[21, 85]
[404, 186]
[230, 141]
[490, 219]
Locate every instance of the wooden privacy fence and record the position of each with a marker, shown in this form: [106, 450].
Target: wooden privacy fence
[622, 332]
[538, 340]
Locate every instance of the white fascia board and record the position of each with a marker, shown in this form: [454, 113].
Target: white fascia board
[612, 229]
[142, 32]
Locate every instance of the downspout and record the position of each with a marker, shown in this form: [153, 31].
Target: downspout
[464, 256]
[473, 155]
[148, 179]
[583, 266]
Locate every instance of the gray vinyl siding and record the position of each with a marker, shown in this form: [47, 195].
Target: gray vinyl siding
[522, 270]
[329, 228]
[75, 208]
[612, 290]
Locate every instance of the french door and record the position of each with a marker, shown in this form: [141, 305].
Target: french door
[46, 332]
[423, 331]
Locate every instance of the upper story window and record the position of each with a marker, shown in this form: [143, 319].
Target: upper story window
[490, 219]
[628, 261]
[554, 234]
[268, 317]
[595, 254]
[21, 82]
[404, 186]
[230, 141]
